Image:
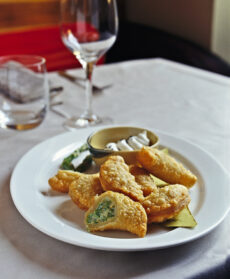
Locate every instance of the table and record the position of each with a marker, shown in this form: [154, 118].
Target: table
[184, 101]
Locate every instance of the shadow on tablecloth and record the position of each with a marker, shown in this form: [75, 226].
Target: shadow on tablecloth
[219, 272]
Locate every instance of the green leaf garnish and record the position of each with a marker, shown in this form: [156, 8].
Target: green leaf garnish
[85, 165]
[158, 181]
[184, 219]
[67, 162]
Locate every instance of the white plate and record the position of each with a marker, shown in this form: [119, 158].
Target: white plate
[55, 214]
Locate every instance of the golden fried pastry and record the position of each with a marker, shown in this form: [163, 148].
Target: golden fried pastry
[115, 211]
[143, 178]
[62, 180]
[84, 189]
[165, 167]
[166, 202]
[115, 176]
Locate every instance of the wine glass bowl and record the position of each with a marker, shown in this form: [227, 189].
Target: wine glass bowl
[88, 29]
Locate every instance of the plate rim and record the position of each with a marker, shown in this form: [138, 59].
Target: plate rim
[112, 248]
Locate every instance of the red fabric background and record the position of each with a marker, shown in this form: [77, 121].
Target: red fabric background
[45, 42]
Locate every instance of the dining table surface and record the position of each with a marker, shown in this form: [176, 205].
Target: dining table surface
[186, 102]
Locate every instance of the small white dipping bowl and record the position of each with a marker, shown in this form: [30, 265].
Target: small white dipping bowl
[98, 140]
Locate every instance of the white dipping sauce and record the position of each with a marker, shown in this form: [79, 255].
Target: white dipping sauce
[132, 143]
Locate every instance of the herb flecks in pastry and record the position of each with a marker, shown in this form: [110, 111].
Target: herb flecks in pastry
[115, 211]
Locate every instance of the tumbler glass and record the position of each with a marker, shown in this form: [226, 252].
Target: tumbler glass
[23, 91]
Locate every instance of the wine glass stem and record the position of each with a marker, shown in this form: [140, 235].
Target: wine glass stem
[88, 67]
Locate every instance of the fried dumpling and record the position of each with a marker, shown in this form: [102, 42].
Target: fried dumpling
[165, 167]
[115, 176]
[83, 190]
[143, 178]
[166, 202]
[62, 180]
[115, 211]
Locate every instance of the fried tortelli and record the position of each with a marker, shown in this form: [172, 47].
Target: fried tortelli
[143, 178]
[115, 211]
[62, 180]
[165, 167]
[84, 189]
[115, 176]
[166, 202]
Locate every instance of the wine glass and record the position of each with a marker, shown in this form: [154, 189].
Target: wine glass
[88, 29]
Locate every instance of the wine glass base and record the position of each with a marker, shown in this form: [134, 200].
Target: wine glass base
[84, 122]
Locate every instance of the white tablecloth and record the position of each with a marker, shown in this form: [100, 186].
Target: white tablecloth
[156, 93]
